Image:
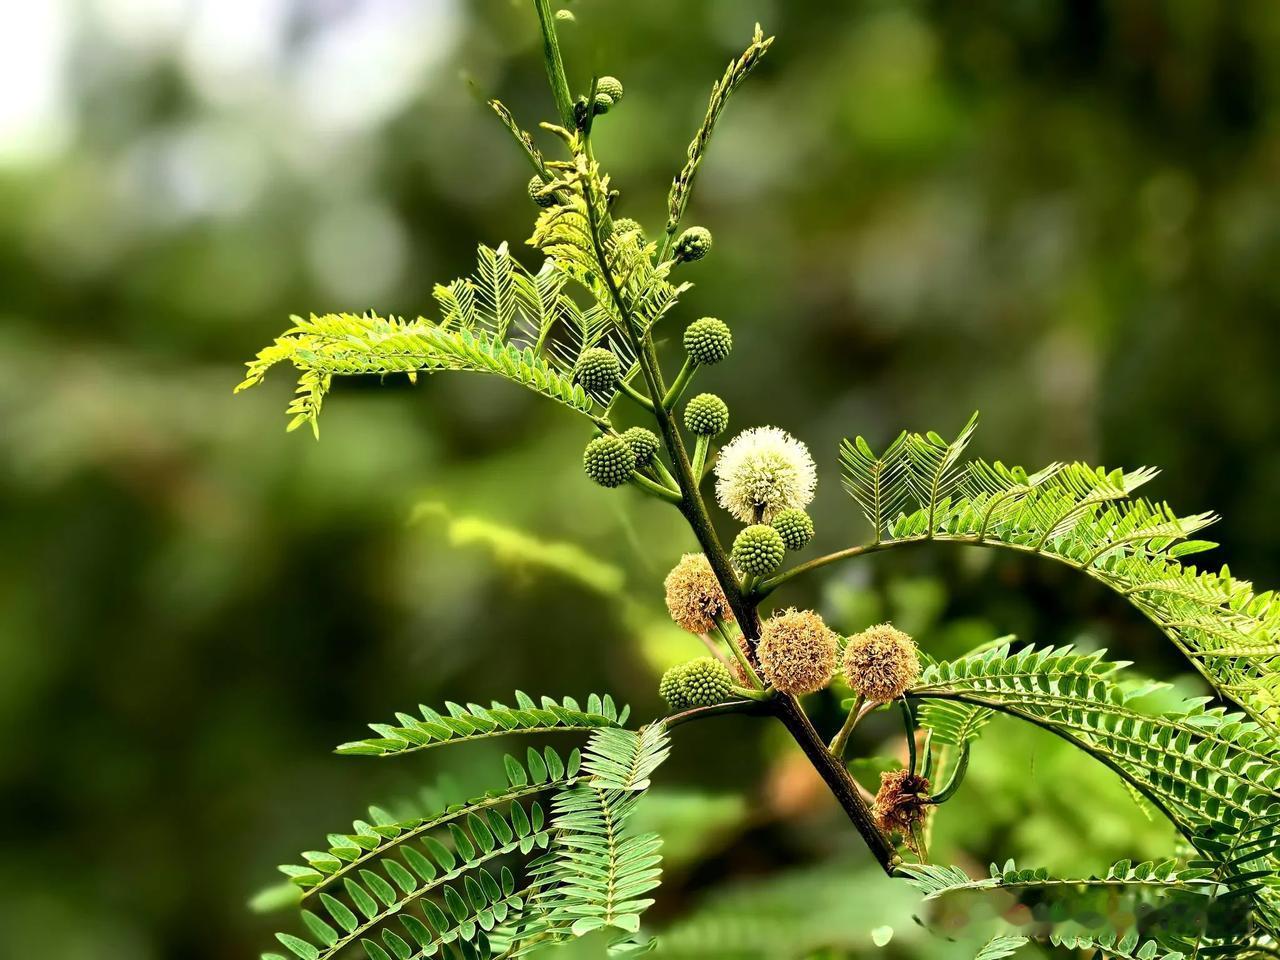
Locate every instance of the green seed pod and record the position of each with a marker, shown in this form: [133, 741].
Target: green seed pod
[707, 341]
[608, 461]
[795, 527]
[644, 444]
[598, 370]
[706, 415]
[610, 87]
[602, 103]
[539, 194]
[758, 550]
[672, 690]
[693, 244]
[704, 682]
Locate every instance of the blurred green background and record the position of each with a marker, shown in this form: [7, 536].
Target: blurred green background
[1065, 214]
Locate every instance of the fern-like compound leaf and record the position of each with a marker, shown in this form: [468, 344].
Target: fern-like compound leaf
[503, 320]
[936, 881]
[997, 948]
[599, 873]
[372, 841]
[459, 724]
[1088, 518]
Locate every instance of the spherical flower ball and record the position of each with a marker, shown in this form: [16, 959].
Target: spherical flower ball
[881, 663]
[708, 341]
[602, 103]
[597, 369]
[608, 461]
[706, 415]
[624, 225]
[762, 472]
[704, 682]
[758, 550]
[538, 194]
[644, 444]
[694, 598]
[693, 244]
[610, 87]
[901, 802]
[797, 652]
[795, 527]
[671, 690]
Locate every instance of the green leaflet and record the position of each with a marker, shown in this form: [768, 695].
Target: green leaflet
[918, 490]
[473, 722]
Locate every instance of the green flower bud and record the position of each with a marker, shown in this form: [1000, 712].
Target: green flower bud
[693, 244]
[795, 527]
[625, 225]
[602, 103]
[644, 444]
[670, 688]
[608, 461]
[707, 341]
[706, 415]
[758, 550]
[539, 194]
[610, 87]
[598, 370]
[704, 682]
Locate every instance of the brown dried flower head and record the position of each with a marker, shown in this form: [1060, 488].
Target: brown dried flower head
[694, 597]
[881, 663]
[901, 802]
[797, 652]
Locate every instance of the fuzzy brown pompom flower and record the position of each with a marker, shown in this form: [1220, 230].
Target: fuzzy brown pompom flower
[881, 663]
[694, 598]
[902, 801]
[797, 652]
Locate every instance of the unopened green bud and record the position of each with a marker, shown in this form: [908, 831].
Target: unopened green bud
[706, 415]
[707, 341]
[609, 461]
[758, 550]
[693, 244]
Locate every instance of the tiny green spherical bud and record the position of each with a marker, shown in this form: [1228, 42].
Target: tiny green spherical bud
[602, 103]
[693, 244]
[597, 370]
[608, 461]
[706, 415]
[707, 341]
[758, 550]
[644, 444]
[565, 16]
[624, 225]
[610, 87]
[539, 193]
[705, 682]
[671, 690]
[795, 527]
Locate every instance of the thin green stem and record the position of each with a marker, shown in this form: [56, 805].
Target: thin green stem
[655, 489]
[700, 447]
[555, 65]
[841, 739]
[631, 393]
[679, 384]
[909, 725]
[664, 474]
[736, 649]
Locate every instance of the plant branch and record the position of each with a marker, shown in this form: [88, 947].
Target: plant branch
[555, 65]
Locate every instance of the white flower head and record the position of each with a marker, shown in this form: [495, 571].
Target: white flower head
[763, 471]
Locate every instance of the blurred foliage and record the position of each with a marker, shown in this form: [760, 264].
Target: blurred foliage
[1066, 215]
